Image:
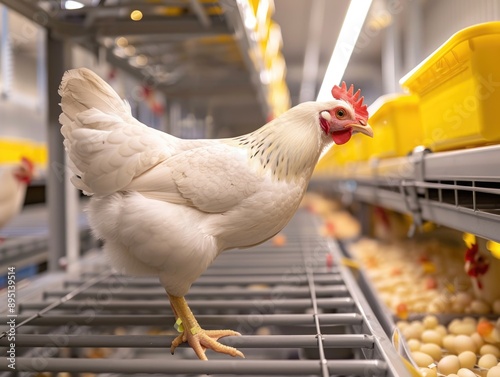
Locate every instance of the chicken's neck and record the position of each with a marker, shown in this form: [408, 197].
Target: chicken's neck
[289, 152]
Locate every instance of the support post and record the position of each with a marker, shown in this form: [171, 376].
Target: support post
[58, 60]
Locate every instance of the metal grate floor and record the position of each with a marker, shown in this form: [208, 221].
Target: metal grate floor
[299, 313]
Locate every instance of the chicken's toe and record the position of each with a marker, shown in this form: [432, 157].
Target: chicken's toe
[207, 339]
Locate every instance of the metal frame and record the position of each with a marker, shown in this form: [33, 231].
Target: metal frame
[298, 314]
[458, 189]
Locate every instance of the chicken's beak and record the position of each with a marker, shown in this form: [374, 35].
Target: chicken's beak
[362, 127]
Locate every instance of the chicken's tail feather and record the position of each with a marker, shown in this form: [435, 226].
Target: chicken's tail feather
[106, 145]
[81, 89]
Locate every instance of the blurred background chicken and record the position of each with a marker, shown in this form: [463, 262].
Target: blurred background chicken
[13, 184]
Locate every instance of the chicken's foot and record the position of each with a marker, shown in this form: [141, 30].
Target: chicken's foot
[199, 339]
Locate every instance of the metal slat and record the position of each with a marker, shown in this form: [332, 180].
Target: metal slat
[229, 292]
[142, 305]
[237, 366]
[282, 306]
[471, 175]
[333, 319]
[294, 276]
[151, 341]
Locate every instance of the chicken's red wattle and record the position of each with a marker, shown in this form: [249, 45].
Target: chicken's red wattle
[342, 137]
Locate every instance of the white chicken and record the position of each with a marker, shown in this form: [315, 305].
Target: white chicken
[166, 206]
[13, 184]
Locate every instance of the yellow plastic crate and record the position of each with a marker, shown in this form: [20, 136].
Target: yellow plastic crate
[459, 89]
[396, 125]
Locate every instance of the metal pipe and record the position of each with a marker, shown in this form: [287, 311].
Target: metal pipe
[152, 341]
[292, 277]
[312, 53]
[6, 67]
[260, 305]
[85, 319]
[199, 10]
[58, 60]
[159, 293]
[172, 366]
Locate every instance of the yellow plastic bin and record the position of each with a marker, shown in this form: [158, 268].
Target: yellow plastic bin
[396, 125]
[459, 89]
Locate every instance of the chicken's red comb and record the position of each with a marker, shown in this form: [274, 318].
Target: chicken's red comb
[341, 92]
[28, 162]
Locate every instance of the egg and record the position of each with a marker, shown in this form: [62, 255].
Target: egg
[430, 321]
[414, 331]
[478, 339]
[464, 328]
[421, 359]
[449, 343]
[487, 361]
[428, 372]
[464, 343]
[464, 372]
[402, 325]
[494, 372]
[432, 336]
[467, 359]
[414, 344]
[449, 364]
[479, 307]
[489, 349]
[441, 329]
[496, 306]
[433, 350]
[469, 319]
[463, 298]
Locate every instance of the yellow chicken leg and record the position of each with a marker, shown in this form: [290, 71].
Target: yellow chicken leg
[198, 338]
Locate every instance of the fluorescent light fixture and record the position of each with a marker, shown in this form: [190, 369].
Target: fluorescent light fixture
[70, 4]
[353, 23]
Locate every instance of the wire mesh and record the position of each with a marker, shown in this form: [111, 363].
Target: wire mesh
[298, 315]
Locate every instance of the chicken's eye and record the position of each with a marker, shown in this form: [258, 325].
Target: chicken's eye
[340, 113]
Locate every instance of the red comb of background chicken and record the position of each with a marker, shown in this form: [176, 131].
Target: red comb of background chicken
[28, 162]
[341, 92]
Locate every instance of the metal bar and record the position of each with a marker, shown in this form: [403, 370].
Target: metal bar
[480, 223]
[142, 305]
[254, 319]
[313, 52]
[282, 292]
[6, 68]
[44, 308]
[199, 10]
[58, 60]
[230, 269]
[315, 305]
[383, 347]
[167, 365]
[478, 164]
[456, 187]
[294, 277]
[151, 341]
[188, 27]
[236, 14]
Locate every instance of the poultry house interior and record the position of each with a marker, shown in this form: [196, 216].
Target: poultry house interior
[249, 188]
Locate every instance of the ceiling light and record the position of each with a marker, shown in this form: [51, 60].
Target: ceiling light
[379, 17]
[353, 23]
[136, 15]
[70, 4]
